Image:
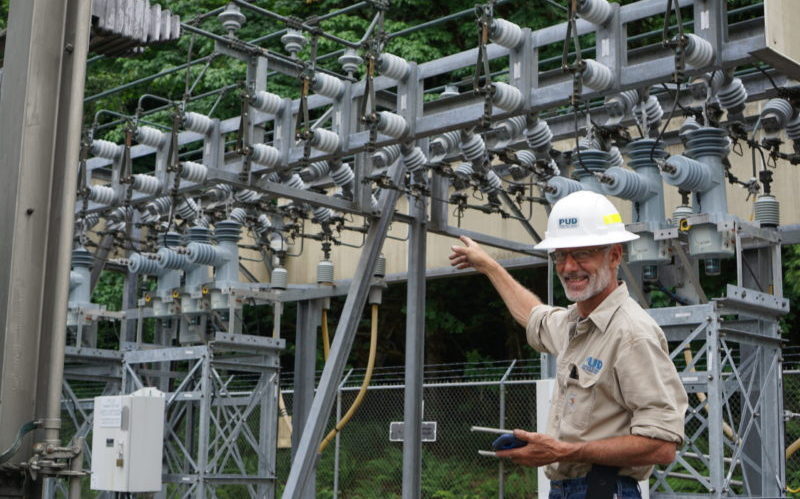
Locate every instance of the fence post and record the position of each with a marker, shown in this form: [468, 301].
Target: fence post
[501, 493]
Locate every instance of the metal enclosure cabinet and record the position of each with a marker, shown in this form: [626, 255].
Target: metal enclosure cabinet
[128, 440]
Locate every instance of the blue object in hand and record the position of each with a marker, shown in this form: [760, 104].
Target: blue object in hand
[507, 442]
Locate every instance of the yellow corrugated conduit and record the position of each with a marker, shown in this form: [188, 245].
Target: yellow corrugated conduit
[373, 346]
[789, 451]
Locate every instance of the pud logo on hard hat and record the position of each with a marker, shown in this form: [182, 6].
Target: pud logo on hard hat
[567, 223]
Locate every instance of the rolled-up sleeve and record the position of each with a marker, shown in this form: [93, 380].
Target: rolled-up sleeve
[547, 329]
[652, 391]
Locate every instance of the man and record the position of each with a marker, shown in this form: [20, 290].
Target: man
[618, 403]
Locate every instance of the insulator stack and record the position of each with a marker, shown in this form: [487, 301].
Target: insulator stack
[380, 266]
[144, 263]
[690, 124]
[265, 155]
[526, 158]
[324, 140]
[102, 194]
[620, 105]
[343, 175]
[293, 40]
[196, 122]
[793, 128]
[202, 254]
[146, 183]
[627, 184]
[150, 136]
[90, 220]
[155, 209]
[199, 234]
[105, 149]
[491, 183]
[595, 11]
[687, 174]
[322, 214]
[699, 53]
[193, 172]
[386, 156]
[463, 173]
[115, 220]
[443, 145]
[597, 76]
[414, 159]
[247, 196]
[392, 124]
[506, 96]
[558, 187]
[168, 258]
[653, 111]
[733, 96]
[767, 210]
[593, 160]
[239, 215]
[188, 209]
[472, 146]
[315, 171]
[681, 212]
[539, 136]
[325, 272]
[263, 225]
[267, 102]
[776, 114]
[615, 157]
[296, 182]
[228, 231]
[506, 33]
[350, 61]
[327, 85]
[279, 278]
[393, 66]
[219, 193]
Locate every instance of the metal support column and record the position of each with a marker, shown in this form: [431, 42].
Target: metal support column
[305, 364]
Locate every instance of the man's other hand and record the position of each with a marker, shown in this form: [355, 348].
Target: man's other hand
[470, 255]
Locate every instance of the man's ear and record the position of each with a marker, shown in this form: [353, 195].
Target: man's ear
[616, 254]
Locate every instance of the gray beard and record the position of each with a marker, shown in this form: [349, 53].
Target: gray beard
[597, 283]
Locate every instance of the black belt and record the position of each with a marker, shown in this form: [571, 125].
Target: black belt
[601, 482]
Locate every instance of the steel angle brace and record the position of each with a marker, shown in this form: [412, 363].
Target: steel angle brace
[305, 457]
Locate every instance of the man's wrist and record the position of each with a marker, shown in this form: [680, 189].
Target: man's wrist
[572, 451]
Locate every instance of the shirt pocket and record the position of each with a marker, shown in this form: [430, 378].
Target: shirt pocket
[579, 399]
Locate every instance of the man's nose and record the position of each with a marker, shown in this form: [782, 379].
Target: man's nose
[570, 264]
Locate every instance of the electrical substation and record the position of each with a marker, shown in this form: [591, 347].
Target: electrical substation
[373, 171]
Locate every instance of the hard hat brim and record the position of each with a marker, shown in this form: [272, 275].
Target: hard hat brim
[551, 243]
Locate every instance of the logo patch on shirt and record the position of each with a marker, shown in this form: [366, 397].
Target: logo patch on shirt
[567, 223]
[592, 365]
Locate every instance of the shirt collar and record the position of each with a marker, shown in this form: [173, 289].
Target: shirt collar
[601, 315]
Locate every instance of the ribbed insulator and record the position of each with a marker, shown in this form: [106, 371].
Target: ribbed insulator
[155, 209]
[780, 110]
[119, 214]
[506, 97]
[150, 136]
[193, 172]
[171, 259]
[322, 214]
[146, 183]
[444, 144]
[380, 266]
[293, 40]
[793, 128]
[558, 187]
[680, 212]
[595, 11]
[325, 272]
[201, 254]
[170, 239]
[393, 66]
[539, 136]
[463, 173]
[325, 140]
[473, 146]
[343, 175]
[350, 61]
[197, 122]
[690, 124]
[590, 142]
[619, 105]
[102, 194]
[327, 85]
[267, 102]
[219, 193]
[767, 210]
[653, 110]
[263, 154]
[491, 183]
[228, 230]
[115, 225]
[707, 141]
[202, 221]
[199, 234]
[689, 175]
[732, 96]
[187, 209]
[449, 91]
[279, 278]
[386, 156]
[525, 157]
[615, 157]
[315, 171]
[699, 53]
[238, 214]
[392, 124]
[593, 160]
[717, 80]
[81, 258]
[506, 33]
[642, 154]
[296, 182]
[627, 184]
[247, 196]
[596, 75]
[414, 160]
[263, 224]
[90, 220]
[147, 263]
[105, 149]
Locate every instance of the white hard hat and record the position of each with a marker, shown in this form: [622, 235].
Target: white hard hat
[584, 218]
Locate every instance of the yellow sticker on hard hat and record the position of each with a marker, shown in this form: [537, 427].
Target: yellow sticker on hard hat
[614, 218]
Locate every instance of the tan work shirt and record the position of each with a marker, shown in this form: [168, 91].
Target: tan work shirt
[614, 377]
